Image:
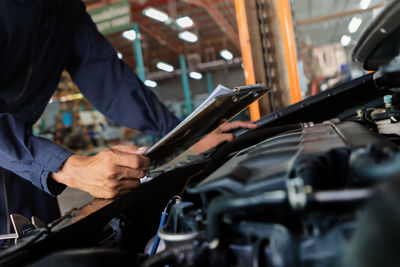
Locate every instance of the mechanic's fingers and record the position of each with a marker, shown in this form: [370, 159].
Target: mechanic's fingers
[117, 188]
[226, 137]
[238, 124]
[142, 150]
[131, 149]
[128, 173]
[128, 184]
[129, 160]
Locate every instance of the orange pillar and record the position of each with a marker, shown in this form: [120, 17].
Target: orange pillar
[247, 55]
[285, 15]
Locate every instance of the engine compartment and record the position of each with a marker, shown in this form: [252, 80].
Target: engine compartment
[291, 199]
[284, 201]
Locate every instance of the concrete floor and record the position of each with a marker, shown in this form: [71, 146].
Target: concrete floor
[73, 198]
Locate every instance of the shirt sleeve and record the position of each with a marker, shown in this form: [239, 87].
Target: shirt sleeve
[110, 85]
[30, 157]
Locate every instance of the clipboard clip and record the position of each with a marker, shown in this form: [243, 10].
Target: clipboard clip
[253, 86]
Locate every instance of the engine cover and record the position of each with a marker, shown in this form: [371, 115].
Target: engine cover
[268, 164]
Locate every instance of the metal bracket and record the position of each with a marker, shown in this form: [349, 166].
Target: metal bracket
[38, 223]
[19, 222]
[296, 193]
[308, 124]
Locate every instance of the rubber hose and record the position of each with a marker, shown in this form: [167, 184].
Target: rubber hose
[375, 171]
[170, 255]
[228, 204]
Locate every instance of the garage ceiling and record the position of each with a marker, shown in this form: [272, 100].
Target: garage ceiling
[318, 22]
[214, 23]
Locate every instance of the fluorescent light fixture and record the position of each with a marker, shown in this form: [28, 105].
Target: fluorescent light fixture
[188, 37]
[226, 54]
[354, 24]
[165, 67]
[150, 83]
[345, 40]
[155, 14]
[364, 4]
[195, 75]
[120, 56]
[184, 22]
[130, 35]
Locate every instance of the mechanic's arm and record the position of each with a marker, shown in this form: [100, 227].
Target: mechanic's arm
[32, 158]
[110, 84]
[115, 90]
[110, 173]
[220, 135]
[115, 171]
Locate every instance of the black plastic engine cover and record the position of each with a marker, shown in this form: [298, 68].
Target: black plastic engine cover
[268, 164]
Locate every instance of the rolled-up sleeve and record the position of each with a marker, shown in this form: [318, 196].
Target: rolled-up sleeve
[110, 85]
[30, 157]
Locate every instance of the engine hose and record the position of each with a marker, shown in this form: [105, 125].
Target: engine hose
[372, 169]
[229, 204]
[251, 138]
[179, 253]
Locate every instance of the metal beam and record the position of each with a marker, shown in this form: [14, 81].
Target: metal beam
[216, 15]
[185, 84]
[247, 55]
[289, 45]
[209, 83]
[155, 3]
[161, 37]
[202, 67]
[139, 7]
[337, 15]
[138, 54]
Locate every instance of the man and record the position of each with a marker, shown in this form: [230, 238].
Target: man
[38, 39]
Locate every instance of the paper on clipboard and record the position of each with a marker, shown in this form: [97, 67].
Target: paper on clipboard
[222, 104]
[219, 90]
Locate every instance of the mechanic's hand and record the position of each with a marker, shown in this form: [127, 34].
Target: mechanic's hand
[220, 135]
[112, 172]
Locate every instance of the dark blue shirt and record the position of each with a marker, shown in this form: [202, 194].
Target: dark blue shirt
[38, 40]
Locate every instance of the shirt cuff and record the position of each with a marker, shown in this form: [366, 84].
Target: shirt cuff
[40, 173]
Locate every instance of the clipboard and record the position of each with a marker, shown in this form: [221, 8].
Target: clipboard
[211, 114]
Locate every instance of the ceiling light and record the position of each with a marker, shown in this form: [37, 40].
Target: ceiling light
[156, 14]
[165, 67]
[354, 24]
[150, 83]
[130, 35]
[226, 54]
[188, 36]
[345, 40]
[184, 22]
[120, 56]
[364, 4]
[195, 75]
